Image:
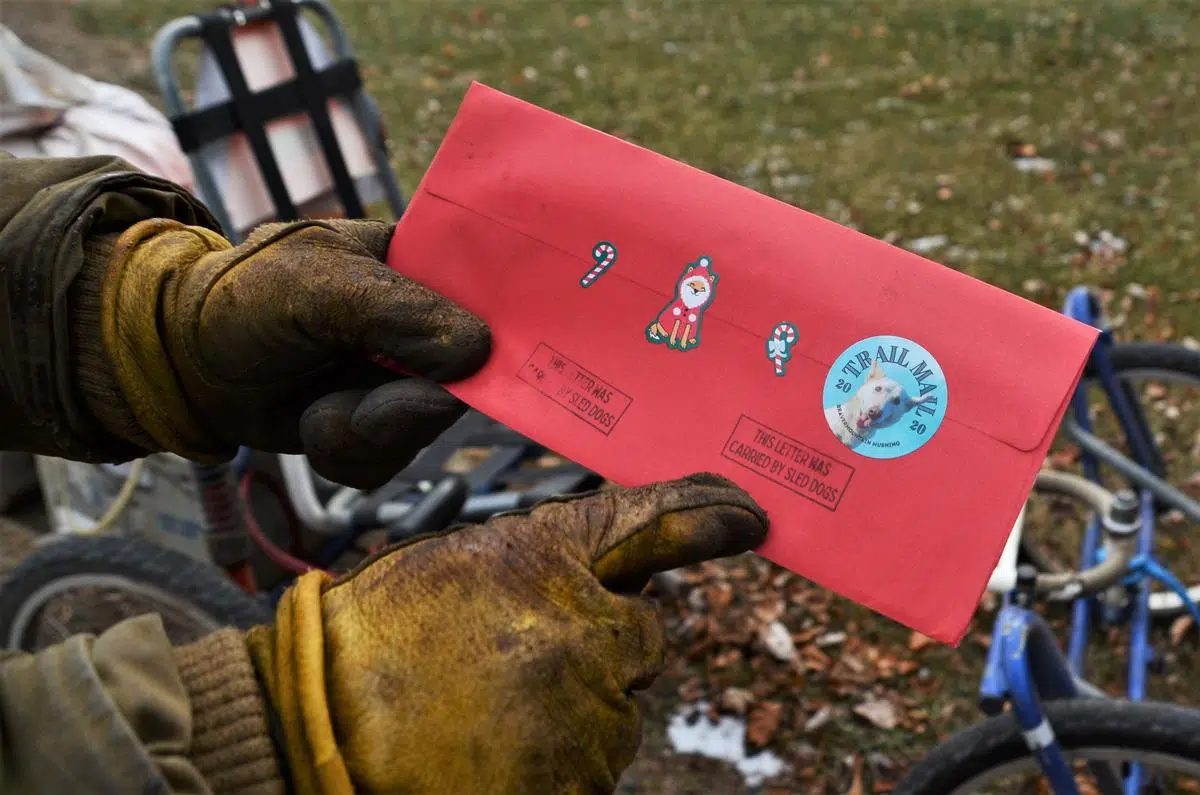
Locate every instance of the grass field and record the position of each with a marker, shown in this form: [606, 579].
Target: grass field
[1034, 144]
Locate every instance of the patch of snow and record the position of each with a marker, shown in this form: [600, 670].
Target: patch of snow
[724, 741]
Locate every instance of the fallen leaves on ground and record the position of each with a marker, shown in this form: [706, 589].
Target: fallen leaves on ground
[802, 667]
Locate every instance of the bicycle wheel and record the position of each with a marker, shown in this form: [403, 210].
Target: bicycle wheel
[992, 757]
[1162, 382]
[88, 583]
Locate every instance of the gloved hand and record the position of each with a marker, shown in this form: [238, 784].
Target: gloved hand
[268, 344]
[499, 658]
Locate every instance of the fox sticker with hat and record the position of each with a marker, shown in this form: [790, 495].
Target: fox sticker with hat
[678, 324]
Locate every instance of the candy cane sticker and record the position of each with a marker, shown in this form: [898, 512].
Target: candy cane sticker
[604, 254]
[779, 347]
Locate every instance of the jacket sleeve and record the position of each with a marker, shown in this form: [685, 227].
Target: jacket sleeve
[125, 712]
[49, 318]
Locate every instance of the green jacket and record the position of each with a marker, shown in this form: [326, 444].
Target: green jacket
[123, 712]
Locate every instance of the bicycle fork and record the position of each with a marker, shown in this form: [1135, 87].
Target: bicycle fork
[1025, 666]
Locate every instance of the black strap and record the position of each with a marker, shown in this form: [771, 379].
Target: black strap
[215, 31]
[317, 103]
[213, 123]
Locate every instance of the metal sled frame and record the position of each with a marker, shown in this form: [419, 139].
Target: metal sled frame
[248, 112]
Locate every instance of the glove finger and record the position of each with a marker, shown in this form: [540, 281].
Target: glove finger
[362, 438]
[406, 411]
[628, 535]
[366, 308]
[275, 427]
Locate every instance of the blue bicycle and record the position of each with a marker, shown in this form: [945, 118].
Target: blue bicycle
[1062, 734]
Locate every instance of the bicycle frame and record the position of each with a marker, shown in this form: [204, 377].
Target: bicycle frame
[1082, 306]
[1024, 663]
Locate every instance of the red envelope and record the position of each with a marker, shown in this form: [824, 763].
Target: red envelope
[651, 320]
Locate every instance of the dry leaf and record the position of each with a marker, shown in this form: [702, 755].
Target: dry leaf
[1179, 628]
[853, 663]
[801, 638]
[763, 722]
[778, 641]
[769, 611]
[719, 596]
[856, 782]
[880, 713]
[819, 719]
[831, 639]
[737, 700]
[917, 641]
[691, 690]
[1021, 149]
[815, 659]
[1064, 458]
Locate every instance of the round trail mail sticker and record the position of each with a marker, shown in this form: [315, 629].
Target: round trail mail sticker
[885, 397]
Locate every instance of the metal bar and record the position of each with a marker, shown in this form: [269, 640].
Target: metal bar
[1037, 671]
[1140, 477]
[1034, 670]
[1081, 305]
[216, 32]
[162, 51]
[360, 105]
[1081, 609]
[317, 103]
[1139, 634]
[993, 688]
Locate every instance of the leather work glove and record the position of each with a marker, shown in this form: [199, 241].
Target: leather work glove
[269, 344]
[499, 658]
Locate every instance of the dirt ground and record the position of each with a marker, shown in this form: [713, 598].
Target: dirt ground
[1033, 144]
[47, 26]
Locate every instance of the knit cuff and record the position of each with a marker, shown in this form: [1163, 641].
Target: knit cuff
[231, 742]
[96, 378]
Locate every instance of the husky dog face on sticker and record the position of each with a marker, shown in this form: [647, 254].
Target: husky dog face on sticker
[882, 401]
[884, 397]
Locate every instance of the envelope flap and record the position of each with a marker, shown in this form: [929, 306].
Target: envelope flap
[569, 187]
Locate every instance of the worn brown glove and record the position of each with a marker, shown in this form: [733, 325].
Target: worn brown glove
[268, 344]
[500, 658]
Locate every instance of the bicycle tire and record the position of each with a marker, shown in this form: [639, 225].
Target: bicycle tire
[1152, 728]
[1165, 356]
[142, 567]
[1151, 358]
[1148, 358]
